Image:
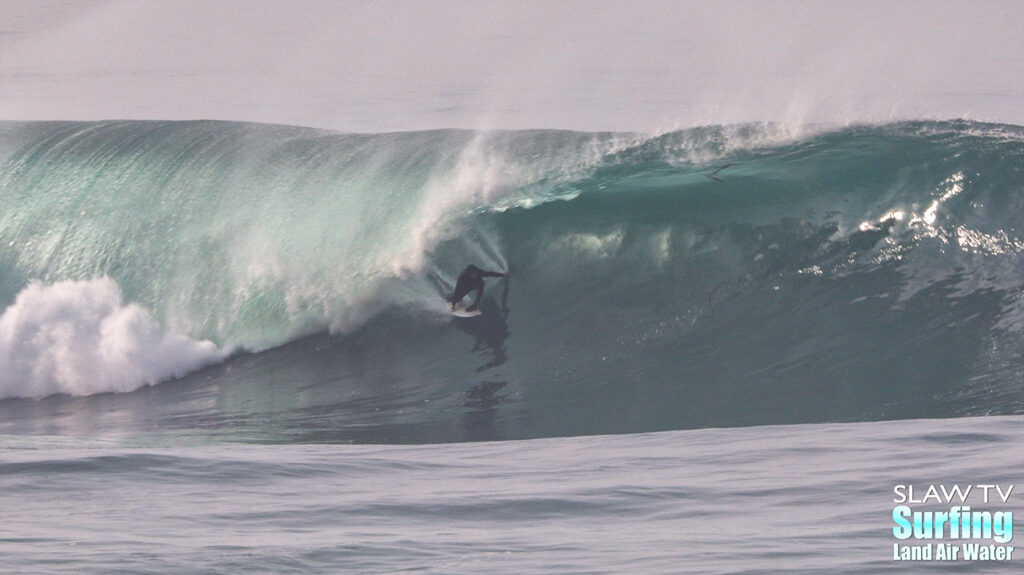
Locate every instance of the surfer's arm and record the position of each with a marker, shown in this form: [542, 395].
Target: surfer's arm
[493, 274]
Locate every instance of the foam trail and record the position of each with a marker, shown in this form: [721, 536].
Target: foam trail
[80, 338]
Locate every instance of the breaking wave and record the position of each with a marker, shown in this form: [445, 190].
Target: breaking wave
[723, 275]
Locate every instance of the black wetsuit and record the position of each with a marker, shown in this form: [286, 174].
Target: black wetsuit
[472, 278]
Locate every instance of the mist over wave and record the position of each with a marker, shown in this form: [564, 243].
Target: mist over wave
[723, 275]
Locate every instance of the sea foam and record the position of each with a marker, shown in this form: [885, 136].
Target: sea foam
[81, 338]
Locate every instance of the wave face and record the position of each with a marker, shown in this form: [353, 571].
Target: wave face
[735, 275]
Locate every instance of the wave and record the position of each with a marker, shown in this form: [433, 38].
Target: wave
[253, 235]
[712, 276]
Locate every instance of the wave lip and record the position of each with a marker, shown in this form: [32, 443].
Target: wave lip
[80, 338]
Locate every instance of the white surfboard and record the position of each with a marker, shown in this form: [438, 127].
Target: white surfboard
[460, 310]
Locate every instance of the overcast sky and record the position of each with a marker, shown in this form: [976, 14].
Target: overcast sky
[376, 66]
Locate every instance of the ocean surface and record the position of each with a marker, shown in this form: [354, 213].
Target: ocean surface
[772, 499]
[225, 347]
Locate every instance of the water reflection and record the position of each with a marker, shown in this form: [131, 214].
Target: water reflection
[489, 331]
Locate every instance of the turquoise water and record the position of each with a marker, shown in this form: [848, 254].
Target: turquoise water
[288, 284]
[224, 347]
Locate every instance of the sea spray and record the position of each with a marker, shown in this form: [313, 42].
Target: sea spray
[81, 338]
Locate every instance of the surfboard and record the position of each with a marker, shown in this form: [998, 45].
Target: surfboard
[460, 310]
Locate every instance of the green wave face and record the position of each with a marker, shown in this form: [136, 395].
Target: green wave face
[714, 276]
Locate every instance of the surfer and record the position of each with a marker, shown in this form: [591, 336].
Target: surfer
[472, 278]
